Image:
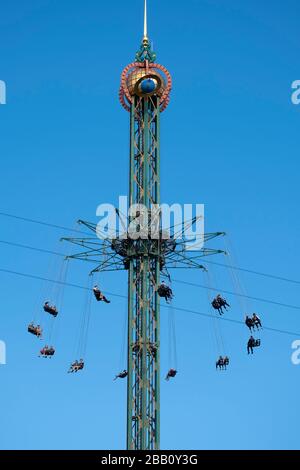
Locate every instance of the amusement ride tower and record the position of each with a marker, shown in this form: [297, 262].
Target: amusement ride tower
[145, 94]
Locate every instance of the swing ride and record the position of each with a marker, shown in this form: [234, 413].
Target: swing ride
[144, 93]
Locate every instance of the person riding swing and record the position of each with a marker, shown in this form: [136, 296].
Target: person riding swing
[121, 375]
[47, 351]
[100, 297]
[218, 303]
[76, 366]
[50, 309]
[165, 292]
[222, 362]
[249, 323]
[256, 321]
[252, 343]
[35, 330]
[171, 374]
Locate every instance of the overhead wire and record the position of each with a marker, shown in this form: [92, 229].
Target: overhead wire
[216, 289]
[41, 222]
[216, 263]
[258, 299]
[181, 309]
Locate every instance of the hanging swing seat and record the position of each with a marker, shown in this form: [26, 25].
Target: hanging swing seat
[35, 330]
[100, 297]
[47, 351]
[171, 374]
[121, 375]
[222, 363]
[76, 366]
[165, 292]
[51, 309]
[219, 303]
[253, 322]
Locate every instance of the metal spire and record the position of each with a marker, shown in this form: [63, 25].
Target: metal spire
[145, 52]
[145, 22]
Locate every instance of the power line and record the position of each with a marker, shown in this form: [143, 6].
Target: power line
[41, 222]
[258, 273]
[113, 294]
[47, 224]
[276, 330]
[258, 299]
[53, 281]
[27, 247]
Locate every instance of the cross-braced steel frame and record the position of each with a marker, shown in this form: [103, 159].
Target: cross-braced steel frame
[145, 259]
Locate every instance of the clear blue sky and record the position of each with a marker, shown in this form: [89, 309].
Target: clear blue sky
[230, 140]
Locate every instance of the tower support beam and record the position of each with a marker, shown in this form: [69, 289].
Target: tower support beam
[143, 281]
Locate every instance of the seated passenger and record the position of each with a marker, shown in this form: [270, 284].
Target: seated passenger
[35, 330]
[226, 361]
[223, 302]
[250, 344]
[50, 309]
[121, 375]
[220, 363]
[47, 351]
[38, 330]
[99, 295]
[165, 292]
[249, 322]
[218, 303]
[76, 366]
[171, 374]
[257, 321]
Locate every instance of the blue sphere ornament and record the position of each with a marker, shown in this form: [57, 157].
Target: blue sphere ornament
[148, 86]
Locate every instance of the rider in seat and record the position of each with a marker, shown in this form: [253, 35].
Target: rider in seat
[256, 321]
[165, 292]
[222, 362]
[50, 309]
[76, 366]
[121, 375]
[35, 330]
[252, 343]
[47, 351]
[99, 295]
[171, 374]
[218, 303]
[249, 322]
[226, 361]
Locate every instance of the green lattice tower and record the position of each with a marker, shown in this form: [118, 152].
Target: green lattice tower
[144, 92]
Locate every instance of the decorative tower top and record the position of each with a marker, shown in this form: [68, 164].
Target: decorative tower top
[144, 77]
[145, 52]
[145, 22]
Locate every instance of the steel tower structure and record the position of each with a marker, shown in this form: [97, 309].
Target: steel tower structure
[144, 93]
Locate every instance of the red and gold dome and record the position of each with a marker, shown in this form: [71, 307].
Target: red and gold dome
[145, 80]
